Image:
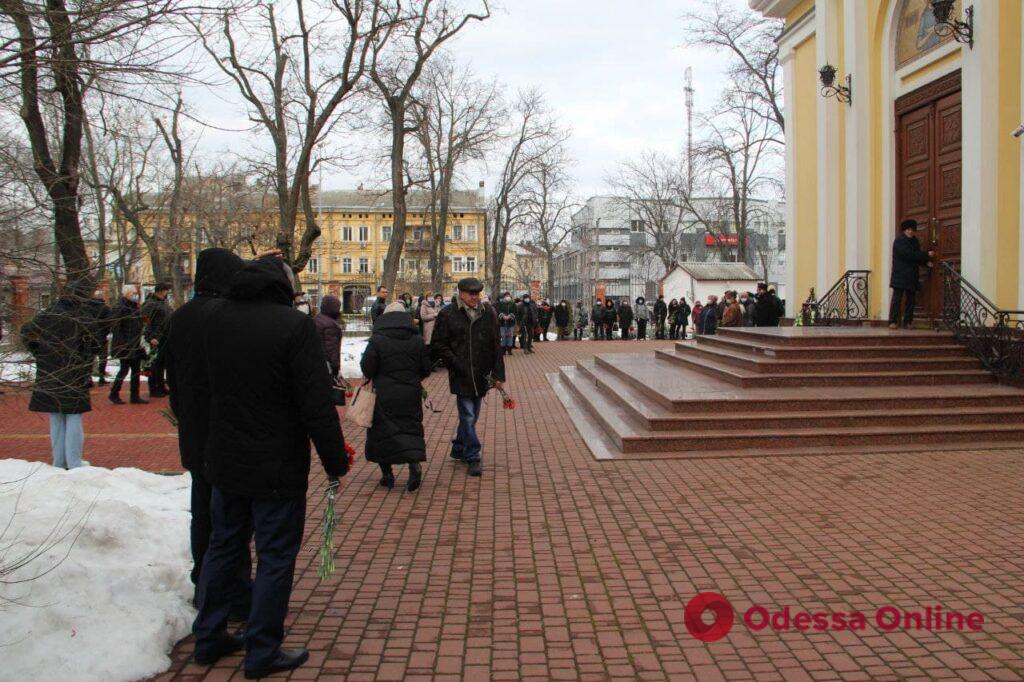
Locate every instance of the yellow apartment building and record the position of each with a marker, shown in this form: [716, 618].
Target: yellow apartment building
[929, 103]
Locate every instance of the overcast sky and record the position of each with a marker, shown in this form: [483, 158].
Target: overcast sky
[613, 71]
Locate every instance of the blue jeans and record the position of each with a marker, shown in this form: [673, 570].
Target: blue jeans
[278, 525]
[66, 438]
[466, 445]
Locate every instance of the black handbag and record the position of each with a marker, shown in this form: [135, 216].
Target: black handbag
[339, 388]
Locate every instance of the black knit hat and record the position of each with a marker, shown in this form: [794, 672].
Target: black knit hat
[909, 224]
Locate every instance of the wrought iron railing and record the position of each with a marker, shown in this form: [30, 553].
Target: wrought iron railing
[845, 303]
[994, 336]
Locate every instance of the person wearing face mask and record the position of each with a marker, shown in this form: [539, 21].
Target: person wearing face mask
[528, 319]
[126, 345]
[428, 313]
[507, 323]
[580, 317]
[563, 318]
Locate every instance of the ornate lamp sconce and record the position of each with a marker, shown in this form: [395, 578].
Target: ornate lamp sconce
[962, 31]
[843, 93]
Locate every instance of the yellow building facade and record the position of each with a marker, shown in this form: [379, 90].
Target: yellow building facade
[927, 134]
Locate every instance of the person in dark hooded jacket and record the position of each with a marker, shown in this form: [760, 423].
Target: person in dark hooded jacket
[187, 376]
[126, 344]
[625, 319]
[905, 279]
[328, 325]
[269, 395]
[766, 309]
[396, 360]
[62, 343]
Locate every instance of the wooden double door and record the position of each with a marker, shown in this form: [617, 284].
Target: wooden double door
[929, 178]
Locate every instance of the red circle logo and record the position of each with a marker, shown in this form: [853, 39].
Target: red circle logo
[719, 606]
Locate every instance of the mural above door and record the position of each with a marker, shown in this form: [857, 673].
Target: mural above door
[915, 35]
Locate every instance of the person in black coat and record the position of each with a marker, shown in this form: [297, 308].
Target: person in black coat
[188, 377]
[269, 395]
[660, 315]
[625, 319]
[61, 341]
[681, 319]
[905, 280]
[467, 341]
[609, 316]
[673, 324]
[708, 320]
[156, 314]
[597, 320]
[99, 317]
[328, 326]
[766, 309]
[379, 304]
[396, 360]
[126, 344]
[528, 316]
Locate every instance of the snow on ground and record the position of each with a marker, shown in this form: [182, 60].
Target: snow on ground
[118, 598]
[351, 354]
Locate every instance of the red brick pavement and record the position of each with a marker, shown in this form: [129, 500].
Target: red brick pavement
[557, 566]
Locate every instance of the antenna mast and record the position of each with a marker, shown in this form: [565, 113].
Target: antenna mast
[689, 130]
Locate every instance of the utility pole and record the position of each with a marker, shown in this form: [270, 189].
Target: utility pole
[689, 131]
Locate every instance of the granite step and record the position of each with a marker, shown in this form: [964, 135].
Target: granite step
[630, 436]
[656, 417]
[852, 363]
[825, 336]
[781, 352]
[747, 378]
[680, 389]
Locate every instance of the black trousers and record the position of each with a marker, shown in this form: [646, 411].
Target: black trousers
[597, 330]
[133, 383]
[201, 529]
[157, 371]
[641, 330]
[673, 331]
[895, 308]
[659, 328]
[277, 524]
[526, 339]
[609, 327]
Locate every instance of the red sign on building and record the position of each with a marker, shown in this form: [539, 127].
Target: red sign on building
[721, 239]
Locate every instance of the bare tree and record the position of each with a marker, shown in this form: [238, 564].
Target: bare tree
[421, 32]
[294, 72]
[531, 136]
[61, 49]
[549, 207]
[457, 118]
[752, 41]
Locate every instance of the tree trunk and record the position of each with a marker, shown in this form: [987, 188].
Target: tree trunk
[398, 205]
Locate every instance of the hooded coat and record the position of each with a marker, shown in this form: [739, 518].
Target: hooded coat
[766, 310]
[330, 331]
[625, 316]
[61, 340]
[269, 393]
[396, 360]
[428, 315]
[185, 354]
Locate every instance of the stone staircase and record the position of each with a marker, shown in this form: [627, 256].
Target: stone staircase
[798, 390]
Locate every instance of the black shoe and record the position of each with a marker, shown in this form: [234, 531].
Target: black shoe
[415, 476]
[116, 399]
[138, 401]
[387, 478]
[102, 382]
[158, 394]
[475, 468]
[225, 645]
[287, 659]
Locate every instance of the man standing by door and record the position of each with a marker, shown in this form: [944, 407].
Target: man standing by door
[466, 339]
[907, 259]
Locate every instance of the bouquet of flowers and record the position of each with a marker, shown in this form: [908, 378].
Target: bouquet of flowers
[330, 518]
[506, 400]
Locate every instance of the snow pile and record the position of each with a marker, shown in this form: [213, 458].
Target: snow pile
[351, 354]
[117, 599]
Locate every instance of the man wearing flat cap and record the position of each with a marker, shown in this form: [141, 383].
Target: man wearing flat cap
[467, 341]
[907, 259]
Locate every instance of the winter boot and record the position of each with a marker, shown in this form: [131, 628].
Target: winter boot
[387, 478]
[415, 476]
[115, 389]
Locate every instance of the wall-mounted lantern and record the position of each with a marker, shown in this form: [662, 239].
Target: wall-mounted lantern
[843, 93]
[962, 31]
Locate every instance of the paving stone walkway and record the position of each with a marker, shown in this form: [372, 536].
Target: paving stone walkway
[558, 566]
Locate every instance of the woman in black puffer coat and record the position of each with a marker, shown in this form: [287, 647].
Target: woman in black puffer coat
[396, 361]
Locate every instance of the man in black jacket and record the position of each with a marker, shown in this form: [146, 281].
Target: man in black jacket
[466, 339]
[269, 395]
[907, 259]
[126, 344]
[379, 304]
[156, 314]
[185, 358]
[528, 319]
[99, 316]
[766, 308]
[660, 315]
[597, 320]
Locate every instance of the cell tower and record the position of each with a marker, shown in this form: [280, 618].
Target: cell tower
[689, 130]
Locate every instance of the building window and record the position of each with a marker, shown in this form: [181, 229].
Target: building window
[364, 266]
[385, 233]
[457, 233]
[470, 233]
[417, 234]
[457, 264]
[346, 233]
[364, 233]
[471, 264]
[313, 266]
[346, 265]
[636, 226]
